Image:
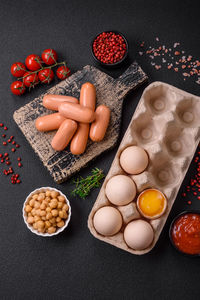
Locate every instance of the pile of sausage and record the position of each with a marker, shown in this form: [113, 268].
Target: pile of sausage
[73, 119]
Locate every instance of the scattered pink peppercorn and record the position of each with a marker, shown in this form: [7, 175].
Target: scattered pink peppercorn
[7, 159]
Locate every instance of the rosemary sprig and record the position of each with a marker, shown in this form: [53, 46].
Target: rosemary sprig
[83, 186]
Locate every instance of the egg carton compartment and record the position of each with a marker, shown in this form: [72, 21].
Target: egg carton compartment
[166, 171]
[179, 141]
[160, 99]
[188, 112]
[170, 147]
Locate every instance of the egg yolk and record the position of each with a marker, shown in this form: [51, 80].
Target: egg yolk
[152, 202]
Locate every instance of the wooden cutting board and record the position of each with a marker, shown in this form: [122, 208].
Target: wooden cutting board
[110, 92]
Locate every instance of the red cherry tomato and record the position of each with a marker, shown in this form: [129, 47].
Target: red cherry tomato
[33, 62]
[30, 80]
[63, 72]
[46, 75]
[18, 69]
[49, 56]
[17, 88]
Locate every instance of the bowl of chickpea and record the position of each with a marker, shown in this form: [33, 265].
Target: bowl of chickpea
[46, 211]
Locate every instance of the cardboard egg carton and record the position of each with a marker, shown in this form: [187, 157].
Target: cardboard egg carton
[166, 124]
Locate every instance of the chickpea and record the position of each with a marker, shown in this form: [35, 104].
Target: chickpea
[47, 224]
[29, 214]
[48, 209]
[42, 213]
[60, 205]
[53, 203]
[65, 207]
[61, 214]
[54, 194]
[42, 230]
[28, 208]
[51, 230]
[48, 216]
[35, 196]
[40, 224]
[47, 199]
[43, 205]
[65, 215]
[31, 202]
[30, 220]
[36, 218]
[58, 219]
[48, 193]
[52, 220]
[41, 196]
[61, 198]
[44, 218]
[33, 212]
[37, 212]
[35, 226]
[37, 204]
[60, 224]
[54, 212]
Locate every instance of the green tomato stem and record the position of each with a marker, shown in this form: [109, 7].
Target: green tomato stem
[52, 66]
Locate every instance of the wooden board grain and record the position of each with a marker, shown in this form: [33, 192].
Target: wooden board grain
[110, 92]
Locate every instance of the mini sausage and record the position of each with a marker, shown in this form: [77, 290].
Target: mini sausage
[99, 126]
[49, 122]
[79, 140]
[88, 95]
[76, 112]
[53, 101]
[64, 135]
[87, 99]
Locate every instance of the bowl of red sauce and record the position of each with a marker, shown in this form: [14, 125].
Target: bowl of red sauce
[184, 233]
[109, 48]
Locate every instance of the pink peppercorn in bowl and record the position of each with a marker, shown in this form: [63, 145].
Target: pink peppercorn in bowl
[109, 48]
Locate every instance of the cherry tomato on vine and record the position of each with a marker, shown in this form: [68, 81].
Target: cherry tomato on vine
[33, 62]
[49, 56]
[63, 72]
[17, 88]
[18, 69]
[30, 80]
[46, 75]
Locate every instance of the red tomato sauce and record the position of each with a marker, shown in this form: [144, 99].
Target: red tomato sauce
[186, 233]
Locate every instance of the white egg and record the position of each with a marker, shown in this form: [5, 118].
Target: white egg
[107, 220]
[138, 234]
[134, 160]
[120, 190]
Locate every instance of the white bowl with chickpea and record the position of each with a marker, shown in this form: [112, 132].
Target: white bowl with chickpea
[46, 211]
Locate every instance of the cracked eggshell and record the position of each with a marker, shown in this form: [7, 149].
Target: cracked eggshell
[134, 160]
[120, 190]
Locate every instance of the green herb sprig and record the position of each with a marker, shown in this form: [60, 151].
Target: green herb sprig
[85, 185]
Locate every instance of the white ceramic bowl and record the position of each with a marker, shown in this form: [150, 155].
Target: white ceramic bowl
[40, 190]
